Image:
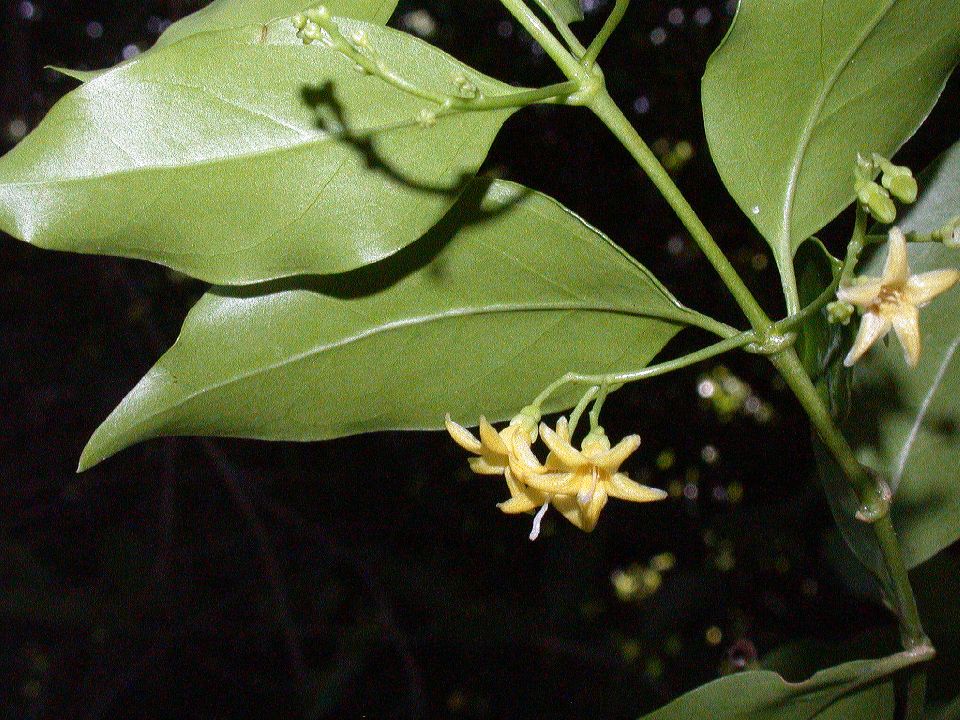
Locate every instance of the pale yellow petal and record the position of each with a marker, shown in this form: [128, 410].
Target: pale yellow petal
[518, 504]
[591, 512]
[863, 293]
[613, 458]
[491, 438]
[553, 483]
[463, 437]
[483, 466]
[563, 428]
[872, 327]
[622, 487]
[568, 506]
[524, 455]
[561, 448]
[923, 288]
[906, 323]
[896, 270]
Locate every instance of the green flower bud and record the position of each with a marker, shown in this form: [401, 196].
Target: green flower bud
[310, 34]
[865, 169]
[319, 15]
[877, 201]
[299, 21]
[903, 188]
[839, 312]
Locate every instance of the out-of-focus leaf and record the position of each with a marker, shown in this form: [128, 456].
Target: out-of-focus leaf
[858, 690]
[905, 423]
[566, 10]
[506, 295]
[798, 88]
[822, 347]
[242, 156]
[233, 14]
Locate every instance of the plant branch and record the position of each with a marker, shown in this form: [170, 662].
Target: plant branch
[609, 27]
[568, 64]
[611, 115]
[724, 346]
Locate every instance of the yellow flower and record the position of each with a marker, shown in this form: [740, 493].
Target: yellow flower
[579, 482]
[494, 451]
[893, 301]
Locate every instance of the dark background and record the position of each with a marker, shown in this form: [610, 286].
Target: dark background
[374, 576]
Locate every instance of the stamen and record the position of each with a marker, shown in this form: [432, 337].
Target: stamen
[538, 518]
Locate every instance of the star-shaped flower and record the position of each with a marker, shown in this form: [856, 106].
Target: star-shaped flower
[494, 456]
[893, 301]
[580, 481]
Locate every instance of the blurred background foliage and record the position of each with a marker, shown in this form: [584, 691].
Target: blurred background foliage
[374, 576]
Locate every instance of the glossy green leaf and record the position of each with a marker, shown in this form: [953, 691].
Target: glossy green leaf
[504, 296]
[566, 10]
[906, 423]
[234, 14]
[799, 87]
[243, 156]
[858, 690]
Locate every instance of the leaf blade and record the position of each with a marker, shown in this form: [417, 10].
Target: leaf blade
[506, 295]
[857, 690]
[228, 135]
[807, 96]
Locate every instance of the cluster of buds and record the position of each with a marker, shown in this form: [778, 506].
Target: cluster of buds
[576, 482]
[314, 25]
[896, 182]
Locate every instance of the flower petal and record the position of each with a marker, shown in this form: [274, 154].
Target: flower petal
[896, 270]
[483, 466]
[906, 323]
[622, 487]
[863, 293]
[518, 504]
[561, 448]
[554, 483]
[568, 506]
[591, 513]
[463, 437]
[613, 458]
[524, 456]
[872, 327]
[923, 288]
[491, 438]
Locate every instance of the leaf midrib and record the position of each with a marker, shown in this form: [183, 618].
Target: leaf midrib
[785, 246]
[679, 317]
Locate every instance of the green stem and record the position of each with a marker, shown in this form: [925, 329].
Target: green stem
[611, 115]
[609, 27]
[858, 241]
[875, 501]
[731, 343]
[568, 64]
[581, 406]
[566, 34]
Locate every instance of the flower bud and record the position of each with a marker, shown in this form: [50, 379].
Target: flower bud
[877, 201]
[839, 312]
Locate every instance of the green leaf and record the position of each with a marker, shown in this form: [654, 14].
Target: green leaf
[567, 11]
[234, 14]
[905, 423]
[243, 156]
[798, 88]
[822, 347]
[858, 690]
[507, 294]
